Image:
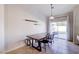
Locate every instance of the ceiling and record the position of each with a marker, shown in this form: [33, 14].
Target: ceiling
[44, 9]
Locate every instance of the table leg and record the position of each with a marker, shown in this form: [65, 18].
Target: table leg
[32, 42]
[39, 45]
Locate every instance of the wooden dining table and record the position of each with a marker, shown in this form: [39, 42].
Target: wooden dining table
[38, 38]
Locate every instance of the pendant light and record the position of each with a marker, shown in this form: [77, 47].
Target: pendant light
[51, 17]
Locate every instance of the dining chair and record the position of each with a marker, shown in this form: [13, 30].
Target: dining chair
[48, 39]
[51, 38]
[44, 41]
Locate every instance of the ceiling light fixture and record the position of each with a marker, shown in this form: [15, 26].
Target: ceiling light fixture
[51, 17]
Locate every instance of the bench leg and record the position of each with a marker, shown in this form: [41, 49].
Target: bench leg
[27, 42]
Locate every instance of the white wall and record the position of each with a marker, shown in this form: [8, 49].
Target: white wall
[76, 23]
[1, 28]
[16, 28]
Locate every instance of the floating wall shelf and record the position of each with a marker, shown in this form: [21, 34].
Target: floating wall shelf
[31, 20]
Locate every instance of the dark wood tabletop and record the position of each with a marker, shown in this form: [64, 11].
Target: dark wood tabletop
[37, 36]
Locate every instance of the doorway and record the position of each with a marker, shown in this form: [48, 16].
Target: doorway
[60, 28]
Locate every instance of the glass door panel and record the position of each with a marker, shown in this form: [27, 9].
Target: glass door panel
[60, 28]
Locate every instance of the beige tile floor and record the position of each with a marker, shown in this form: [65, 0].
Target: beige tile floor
[58, 47]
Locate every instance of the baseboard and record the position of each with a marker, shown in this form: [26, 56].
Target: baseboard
[14, 48]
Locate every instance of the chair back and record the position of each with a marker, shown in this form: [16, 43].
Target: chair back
[51, 36]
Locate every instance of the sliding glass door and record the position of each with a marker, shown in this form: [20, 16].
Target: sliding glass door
[60, 28]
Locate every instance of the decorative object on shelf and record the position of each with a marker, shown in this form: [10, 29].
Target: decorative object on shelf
[51, 17]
